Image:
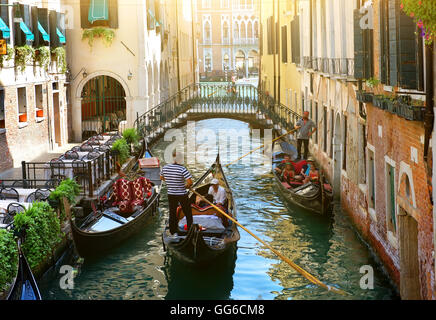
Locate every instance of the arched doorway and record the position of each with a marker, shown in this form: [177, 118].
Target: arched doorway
[337, 157]
[253, 63]
[240, 64]
[103, 106]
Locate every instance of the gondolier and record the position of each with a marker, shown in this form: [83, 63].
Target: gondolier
[306, 128]
[175, 176]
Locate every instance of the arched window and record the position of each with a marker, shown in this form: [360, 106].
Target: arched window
[207, 32]
[256, 30]
[236, 30]
[243, 31]
[225, 31]
[208, 62]
[226, 61]
[249, 30]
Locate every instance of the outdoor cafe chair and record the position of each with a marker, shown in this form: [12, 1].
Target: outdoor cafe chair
[94, 142]
[9, 194]
[103, 148]
[86, 148]
[71, 155]
[79, 167]
[36, 197]
[44, 193]
[57, 167]
[92, 155]
[15, 208]
[75, 149]
[99, 137]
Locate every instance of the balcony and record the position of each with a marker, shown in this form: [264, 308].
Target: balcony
[341, 67]
[246, 41]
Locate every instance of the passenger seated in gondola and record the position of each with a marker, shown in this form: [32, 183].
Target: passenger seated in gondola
[288, 173]
[279, 168]
[310, 174]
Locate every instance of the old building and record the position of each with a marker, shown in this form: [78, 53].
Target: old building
[33, 104]
[228, 32]
[361, 66]
[125, 58]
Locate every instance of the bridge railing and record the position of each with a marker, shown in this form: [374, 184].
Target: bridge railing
[215, 98]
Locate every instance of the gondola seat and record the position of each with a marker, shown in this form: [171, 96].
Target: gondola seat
[199, 211]
[129, 194]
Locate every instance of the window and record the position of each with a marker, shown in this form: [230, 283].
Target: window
[206, 4]
[104, 13]
[344, 153]
[371, 179]
[207, 60]
[390, 199]
[225, 4]
[363, 48]
[207, 32]
[315, 105]
[226, 34]
[22, 105]
[226, 61]
[332, 131]
[362, 154]
[2, 108]
[325, 130]
[39, 101]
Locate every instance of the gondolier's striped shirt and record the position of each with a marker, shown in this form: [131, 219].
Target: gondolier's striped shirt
[175, 176]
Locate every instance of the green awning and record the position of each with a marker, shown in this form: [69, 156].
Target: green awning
[44, 33]
[98, 10]
[5, 29]
[157, 22]
[27, 32]
[61, 36]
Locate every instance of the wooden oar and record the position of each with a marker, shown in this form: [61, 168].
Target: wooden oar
[300, 270]
[262, 146]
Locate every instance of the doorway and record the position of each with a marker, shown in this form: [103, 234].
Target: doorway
[57, 119]
[337, 157]
[410, 288]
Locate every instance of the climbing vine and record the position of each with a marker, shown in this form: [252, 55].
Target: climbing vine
[43, 57]
[106, 34]
[61, 58]
[9, 56]
[23, 55]
[424, 14]
[8, 258]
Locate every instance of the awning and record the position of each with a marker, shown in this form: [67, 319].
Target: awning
[5, 29]
[61, 36]
[98, 10]
[44, 33]
[25, 29]
[157, 22]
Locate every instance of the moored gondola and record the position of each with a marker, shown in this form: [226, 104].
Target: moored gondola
[129, 207]
[25, 286]
[212, 234]
[315, 196]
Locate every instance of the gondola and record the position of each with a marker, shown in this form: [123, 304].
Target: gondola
[25, 286]
[205, 241]
[314, 197]
[109, 225]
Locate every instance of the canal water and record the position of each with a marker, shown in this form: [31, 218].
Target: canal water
[330, 249]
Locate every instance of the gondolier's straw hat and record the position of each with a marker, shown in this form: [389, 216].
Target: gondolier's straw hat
[214, 181]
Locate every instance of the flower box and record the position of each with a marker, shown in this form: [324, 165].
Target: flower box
[391, 106]
[364, 97]
[379, 101]
[39, 113]
[23, 117]
[412, 113]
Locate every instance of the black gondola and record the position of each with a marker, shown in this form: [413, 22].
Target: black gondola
[314, 197]
[198, 245]
[108, 227]
[25, 286]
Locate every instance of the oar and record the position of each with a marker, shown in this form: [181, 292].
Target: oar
[262, 146]
[300, 270]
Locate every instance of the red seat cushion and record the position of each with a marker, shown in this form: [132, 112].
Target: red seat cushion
[286, 185]
[149, 163]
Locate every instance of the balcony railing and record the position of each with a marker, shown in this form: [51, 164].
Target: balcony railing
[246, 41]
[343, 67]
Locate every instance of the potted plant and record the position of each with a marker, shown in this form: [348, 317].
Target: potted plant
[391, 104]
[410, 110]
[121, 148]
[39, 113]
[131, 136]
[22, 117]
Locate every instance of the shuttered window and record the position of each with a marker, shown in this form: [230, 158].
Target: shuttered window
[4, 15]
[23, 30]
[57, 29]
[400, 48]
[295, 40]
[270, 35]
[102, 13]
[363, 49]
[150, 15]
[40, 26]
[284, 44]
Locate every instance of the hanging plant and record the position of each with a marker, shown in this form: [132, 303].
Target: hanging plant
[61, 58]
[42, 57]
[9, 56]
[23, 55]
[424, 14]
[106, 34]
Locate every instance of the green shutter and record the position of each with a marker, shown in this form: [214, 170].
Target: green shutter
[98, 10]
[392, 197]
[284, 44]
[295, 40]
[407, 62]
[384, 42]
[393, 42]
[113, 14]
[150, 15]
[359, 53]
[84, 11]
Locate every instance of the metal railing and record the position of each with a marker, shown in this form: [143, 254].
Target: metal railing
[209, 98]
[89, 174]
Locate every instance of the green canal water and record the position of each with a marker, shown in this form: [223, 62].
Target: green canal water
[330, 249]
